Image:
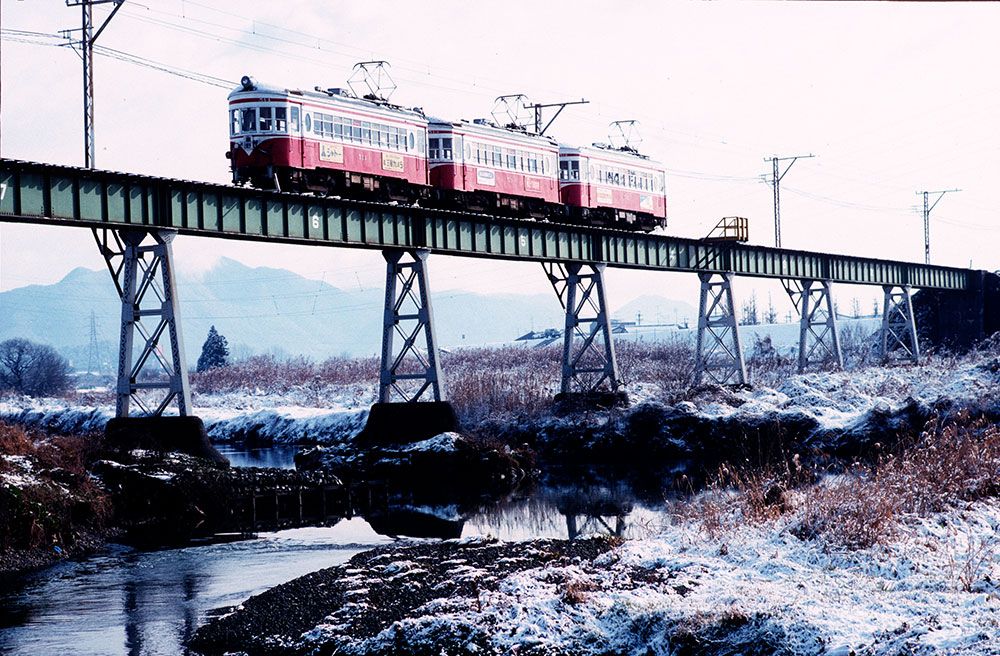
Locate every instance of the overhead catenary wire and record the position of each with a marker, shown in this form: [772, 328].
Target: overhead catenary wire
[264, 32]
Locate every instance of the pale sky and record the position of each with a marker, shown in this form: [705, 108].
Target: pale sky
[892, 98]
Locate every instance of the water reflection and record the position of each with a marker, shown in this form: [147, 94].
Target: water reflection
[281, 457]
[129, 602]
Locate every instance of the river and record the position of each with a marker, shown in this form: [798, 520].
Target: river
[130, 602]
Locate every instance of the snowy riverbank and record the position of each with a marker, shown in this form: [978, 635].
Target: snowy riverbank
[757, 588]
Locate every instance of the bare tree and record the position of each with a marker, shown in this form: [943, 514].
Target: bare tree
[749, 309]
[33, 369]
[771, 314]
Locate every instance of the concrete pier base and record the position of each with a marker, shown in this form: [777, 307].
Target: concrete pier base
[164, 434]
[402, 423]
[568, 403]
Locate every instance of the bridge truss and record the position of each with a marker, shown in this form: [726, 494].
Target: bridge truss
[139, 209]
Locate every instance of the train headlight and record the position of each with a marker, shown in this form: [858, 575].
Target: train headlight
[248, 83]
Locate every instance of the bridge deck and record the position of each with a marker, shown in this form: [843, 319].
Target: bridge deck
[62, 195]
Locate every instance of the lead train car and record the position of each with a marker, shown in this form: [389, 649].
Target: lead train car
[325, 142]
[332, 143]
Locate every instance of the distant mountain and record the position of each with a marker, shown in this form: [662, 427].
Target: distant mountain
[261, 310]
[650, 309]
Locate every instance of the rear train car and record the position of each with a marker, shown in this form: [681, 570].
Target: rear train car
[613, 187]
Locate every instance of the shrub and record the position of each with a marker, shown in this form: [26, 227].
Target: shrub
[948, 462]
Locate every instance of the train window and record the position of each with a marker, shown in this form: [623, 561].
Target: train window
[324, 125]
[468, 151]
[435, 147]
[564, 169]
[249, 120]
[356, 131]
[532, 163]
[265, 119]
[413, 140]
[446, 144]
[574, 170]
[234, 127]
[280, 121]
[308, 122]
[511, 158]
[294, 123]
[366, 132]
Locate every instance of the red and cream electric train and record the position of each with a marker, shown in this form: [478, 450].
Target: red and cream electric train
[330, 142]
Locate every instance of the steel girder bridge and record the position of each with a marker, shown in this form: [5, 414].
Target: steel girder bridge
[135, 217]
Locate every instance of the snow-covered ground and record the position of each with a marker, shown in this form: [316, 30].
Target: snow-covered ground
[757, 589]
[330, 417]
[935, 590]
[835, 401]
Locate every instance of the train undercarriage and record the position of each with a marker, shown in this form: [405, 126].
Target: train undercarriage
[360, 186]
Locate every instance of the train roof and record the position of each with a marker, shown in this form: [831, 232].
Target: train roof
[489, 129]
[250, 86]
[606, 151]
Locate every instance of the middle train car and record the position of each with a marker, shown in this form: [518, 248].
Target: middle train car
[333, 143]
[494, 168]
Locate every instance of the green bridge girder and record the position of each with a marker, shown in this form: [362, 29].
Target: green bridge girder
[61, 195]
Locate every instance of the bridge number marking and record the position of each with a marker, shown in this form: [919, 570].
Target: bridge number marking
[315, 222]
[3, 190]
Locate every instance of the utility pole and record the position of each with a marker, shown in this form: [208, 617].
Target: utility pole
[775, 181]
[94, 361]
[87, 39]
[927, 218]
[537, 107]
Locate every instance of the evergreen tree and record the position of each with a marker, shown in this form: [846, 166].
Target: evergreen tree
[214, 352]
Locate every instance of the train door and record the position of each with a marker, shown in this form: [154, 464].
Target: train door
[466, 159]
[295, 129]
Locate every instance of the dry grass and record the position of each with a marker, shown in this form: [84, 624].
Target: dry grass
[62, 502]
[271, 375]
[864, 505]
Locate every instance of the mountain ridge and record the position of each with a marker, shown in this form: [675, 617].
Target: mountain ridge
[268, 309]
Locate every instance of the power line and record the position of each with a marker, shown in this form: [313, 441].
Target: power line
[41, 39]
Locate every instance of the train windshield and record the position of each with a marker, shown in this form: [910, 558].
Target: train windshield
[249, 122]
